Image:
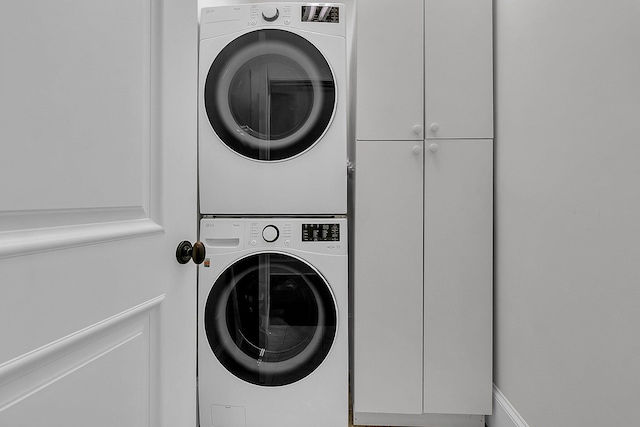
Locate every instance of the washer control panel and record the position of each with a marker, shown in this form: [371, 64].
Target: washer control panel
[314, 235]
[324, 232]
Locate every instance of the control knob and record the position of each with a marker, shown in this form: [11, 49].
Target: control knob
[270, 233]
[270, 13]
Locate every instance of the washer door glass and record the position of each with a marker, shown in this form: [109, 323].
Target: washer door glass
[270, 95]
[270, 319]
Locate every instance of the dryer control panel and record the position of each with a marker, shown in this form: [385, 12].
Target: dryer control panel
[326, 18]
[321, 13]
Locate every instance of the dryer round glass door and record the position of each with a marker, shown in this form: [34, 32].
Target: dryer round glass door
[270, 95]
[270, 319]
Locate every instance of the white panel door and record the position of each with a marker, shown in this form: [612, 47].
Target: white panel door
[390, 70]
[458, 69]
[97, 188]
[387, 290]
[458, 272]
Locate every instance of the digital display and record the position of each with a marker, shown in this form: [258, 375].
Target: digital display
[329, 14]
[320, 232]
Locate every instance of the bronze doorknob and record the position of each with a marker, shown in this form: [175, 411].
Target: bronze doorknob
[186, 252]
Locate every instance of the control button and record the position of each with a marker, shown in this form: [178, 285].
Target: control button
[270, 13]
[287, 22]
[254, 22]
[287, 242]
[254, 242]
[270, 233]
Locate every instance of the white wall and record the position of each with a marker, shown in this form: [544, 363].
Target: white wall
[567, 289]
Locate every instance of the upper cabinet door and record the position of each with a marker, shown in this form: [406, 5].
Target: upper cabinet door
[458, 69]
[390, 70]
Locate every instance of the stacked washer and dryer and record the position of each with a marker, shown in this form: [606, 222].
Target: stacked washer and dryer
[273, 292]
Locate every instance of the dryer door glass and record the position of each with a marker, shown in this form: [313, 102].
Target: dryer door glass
[270, 95]
[270, 319]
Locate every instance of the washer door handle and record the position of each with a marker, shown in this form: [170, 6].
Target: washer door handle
[186, 252]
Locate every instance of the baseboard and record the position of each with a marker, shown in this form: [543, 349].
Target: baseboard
[504, 414]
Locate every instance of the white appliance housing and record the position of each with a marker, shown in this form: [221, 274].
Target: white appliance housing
[272, 323]
[273, 109]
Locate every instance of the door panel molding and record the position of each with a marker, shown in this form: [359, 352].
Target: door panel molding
[123, 342]
[35, 359]
[23, 242]
[109, 188]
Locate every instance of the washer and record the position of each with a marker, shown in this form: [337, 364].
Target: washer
[272, 323]
[273, 109]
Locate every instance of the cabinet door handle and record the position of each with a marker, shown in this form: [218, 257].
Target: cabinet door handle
[434, 147]
[416, 150]
[417, 129]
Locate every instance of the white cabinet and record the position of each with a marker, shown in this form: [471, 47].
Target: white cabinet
[424, 68]
[458, 272]
[390, 77]
[423, 221]
[422, 294]
[458, 43]
[388, 269]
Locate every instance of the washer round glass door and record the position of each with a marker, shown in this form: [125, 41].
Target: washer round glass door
[270, 95]
[270, 319]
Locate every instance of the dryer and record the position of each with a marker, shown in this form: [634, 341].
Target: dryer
[273, 109]
[272, 323]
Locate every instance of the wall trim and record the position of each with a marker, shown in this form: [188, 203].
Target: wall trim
[504, 414]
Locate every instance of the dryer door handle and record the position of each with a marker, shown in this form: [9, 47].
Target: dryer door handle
[186, 252]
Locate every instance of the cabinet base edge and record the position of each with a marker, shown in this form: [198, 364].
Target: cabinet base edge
[417, 420]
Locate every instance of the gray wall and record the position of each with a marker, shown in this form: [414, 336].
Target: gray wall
[567, 282]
